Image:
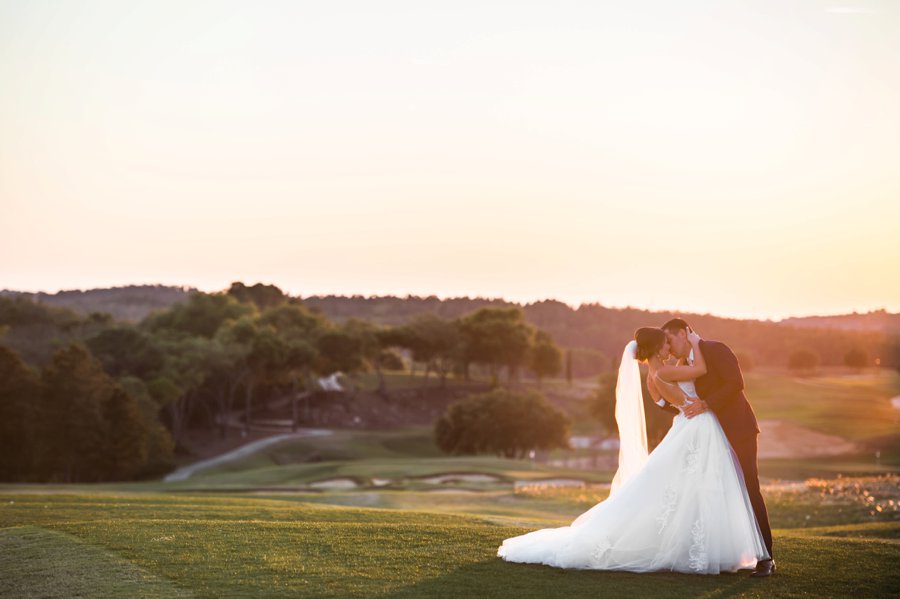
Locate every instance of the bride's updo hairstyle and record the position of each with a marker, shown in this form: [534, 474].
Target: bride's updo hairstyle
[649, 341]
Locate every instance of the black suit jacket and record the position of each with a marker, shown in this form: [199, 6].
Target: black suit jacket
[722, 388]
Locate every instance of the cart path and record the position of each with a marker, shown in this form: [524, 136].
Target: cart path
[243, 451]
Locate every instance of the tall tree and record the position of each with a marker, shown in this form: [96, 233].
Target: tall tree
[126, 350]
[339, 350]
[546, 359]
[127, 436]
[225, 372]
[201, 315]
[298, 328]
[70, 413]
[265, 359]
[176, 389]
[497, 337]
[437, 343]
[263, 296]
[158, 442]
[19, 391]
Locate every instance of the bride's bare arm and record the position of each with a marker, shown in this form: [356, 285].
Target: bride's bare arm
[685, 372]
[655, 395]
[670, 392]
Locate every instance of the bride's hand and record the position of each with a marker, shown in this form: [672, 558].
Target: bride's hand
[694, 338]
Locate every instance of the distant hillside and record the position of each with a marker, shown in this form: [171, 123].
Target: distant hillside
[593, 326]
[879, 320]
[130, 303]
[608, 329]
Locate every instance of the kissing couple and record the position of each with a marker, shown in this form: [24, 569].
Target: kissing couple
[692, 505]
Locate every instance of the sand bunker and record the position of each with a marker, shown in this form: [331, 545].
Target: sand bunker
[550, 482]
[460, 478]
[334, 483]
[780, 439]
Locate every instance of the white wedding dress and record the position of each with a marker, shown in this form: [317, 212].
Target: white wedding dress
[685, 510]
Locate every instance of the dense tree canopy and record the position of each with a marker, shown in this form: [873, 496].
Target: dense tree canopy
[546, 358]
[262, 296]
[502, 422]
[19, 391]
[88, 427]
[803, 360]
[201, 315]
[497, 337]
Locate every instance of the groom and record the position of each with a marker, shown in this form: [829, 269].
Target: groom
[721, 390]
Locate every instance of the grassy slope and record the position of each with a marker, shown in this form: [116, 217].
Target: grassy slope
[853, 407]
[364, 455]
[39, 562]
[109, 538]
[255, 547]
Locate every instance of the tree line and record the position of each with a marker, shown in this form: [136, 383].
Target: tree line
[594, 333]
[132, 390]
[72, 422]
[105, 400]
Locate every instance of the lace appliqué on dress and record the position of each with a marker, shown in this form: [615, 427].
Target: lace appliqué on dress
[699, 558]
[668, 506]
[692, 458]
[598, 555]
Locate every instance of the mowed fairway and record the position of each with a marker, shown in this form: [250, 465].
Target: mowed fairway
[395, 526]
[165, 545]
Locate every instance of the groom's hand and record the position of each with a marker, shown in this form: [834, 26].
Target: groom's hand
[698, 407]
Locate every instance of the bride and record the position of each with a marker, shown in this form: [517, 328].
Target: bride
[684, 507]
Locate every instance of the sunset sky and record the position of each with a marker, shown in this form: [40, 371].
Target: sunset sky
[739, 158]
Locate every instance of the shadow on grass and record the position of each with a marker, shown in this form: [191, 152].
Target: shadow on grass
[497, 578]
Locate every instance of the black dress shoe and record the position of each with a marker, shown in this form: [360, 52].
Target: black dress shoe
[764, 568]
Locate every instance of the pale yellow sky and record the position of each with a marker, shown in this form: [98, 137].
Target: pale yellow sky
[739, 158]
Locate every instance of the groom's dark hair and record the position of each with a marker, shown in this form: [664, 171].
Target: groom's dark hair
[676, 324]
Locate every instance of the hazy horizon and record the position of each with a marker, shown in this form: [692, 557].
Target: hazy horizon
[738, 159]
[525, 301]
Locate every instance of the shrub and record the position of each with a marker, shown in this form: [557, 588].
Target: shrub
[803, 360]
[856, 359]
[502, 422]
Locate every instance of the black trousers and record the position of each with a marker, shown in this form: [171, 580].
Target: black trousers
[746, 448]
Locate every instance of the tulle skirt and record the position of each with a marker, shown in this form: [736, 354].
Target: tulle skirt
[687, 511]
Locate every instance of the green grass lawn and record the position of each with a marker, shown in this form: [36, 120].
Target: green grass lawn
[365, 470]
[855, 407]
[169, 545]
[248, 529]
[406, 453]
